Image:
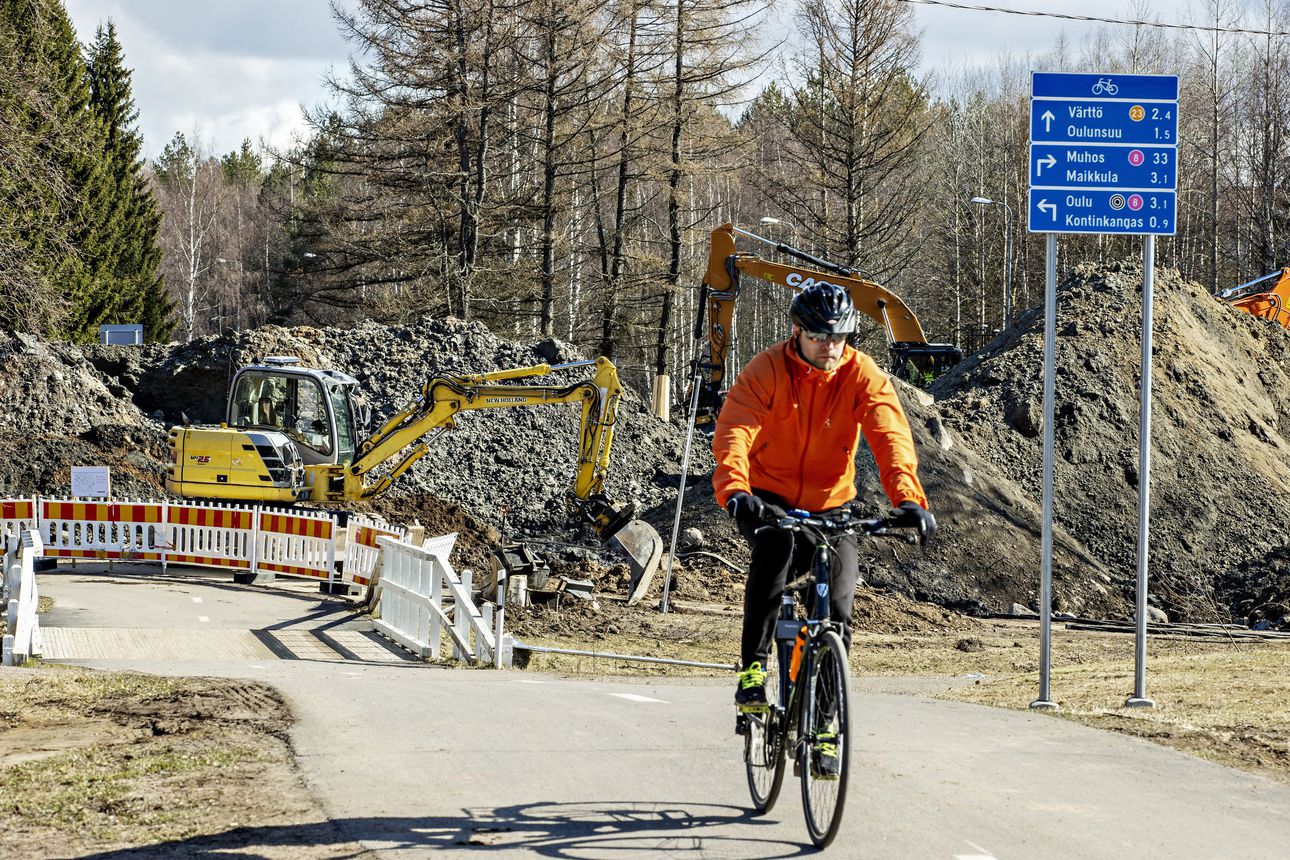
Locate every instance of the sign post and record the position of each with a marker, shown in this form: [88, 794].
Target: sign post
[1103, 160]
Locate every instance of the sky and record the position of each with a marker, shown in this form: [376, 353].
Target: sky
[221, 71]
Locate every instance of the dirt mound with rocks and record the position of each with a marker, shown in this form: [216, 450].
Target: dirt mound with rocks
[1218, 462]
[1220, 428]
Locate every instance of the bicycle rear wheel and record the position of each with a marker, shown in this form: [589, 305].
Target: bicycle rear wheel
[825, 719]
[764, 744]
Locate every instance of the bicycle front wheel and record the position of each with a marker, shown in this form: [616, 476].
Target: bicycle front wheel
[825, 750]
[764, 744]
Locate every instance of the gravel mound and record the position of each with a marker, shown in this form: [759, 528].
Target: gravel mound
[1219, 486]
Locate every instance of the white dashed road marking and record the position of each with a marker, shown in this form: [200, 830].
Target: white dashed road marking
[981, 853]
[203, 618]
[632, 697]
[197, 600]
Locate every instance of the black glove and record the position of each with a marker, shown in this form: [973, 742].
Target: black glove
[912, 515]
[746, 506]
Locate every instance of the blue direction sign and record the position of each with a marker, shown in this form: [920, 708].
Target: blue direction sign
[1103, 153]
[1088, 121]
[1102, 211]
[1084, 166]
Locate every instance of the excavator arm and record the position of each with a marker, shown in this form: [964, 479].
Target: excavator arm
[720, 292]
[1267, 297]
[402, 440]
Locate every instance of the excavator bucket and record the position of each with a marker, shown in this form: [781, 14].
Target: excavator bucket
[643, 547]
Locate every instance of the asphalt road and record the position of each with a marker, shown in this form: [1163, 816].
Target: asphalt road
[412, 759]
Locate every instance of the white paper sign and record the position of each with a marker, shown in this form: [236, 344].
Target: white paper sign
[91, 482]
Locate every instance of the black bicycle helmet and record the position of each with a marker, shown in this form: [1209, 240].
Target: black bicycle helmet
[825, 308]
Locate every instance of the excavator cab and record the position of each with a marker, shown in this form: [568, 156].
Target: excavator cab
[921, 364]
[316, 409]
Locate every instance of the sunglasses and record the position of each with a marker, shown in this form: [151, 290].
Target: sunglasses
[821, 337]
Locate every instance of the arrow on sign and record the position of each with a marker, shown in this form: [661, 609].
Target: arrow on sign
[1048, 117]
[1044, 204]
[1047, 161]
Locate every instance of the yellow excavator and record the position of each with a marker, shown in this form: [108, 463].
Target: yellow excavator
[912, 357]
[1267, 297]
[292, 434]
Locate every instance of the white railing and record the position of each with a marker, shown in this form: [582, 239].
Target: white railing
[23, 640]
[422, 598]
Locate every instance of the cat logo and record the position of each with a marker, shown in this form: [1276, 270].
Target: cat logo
[202, 459]
[795, 279]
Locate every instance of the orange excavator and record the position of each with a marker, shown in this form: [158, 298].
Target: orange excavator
[1267, 297]
[912, 357]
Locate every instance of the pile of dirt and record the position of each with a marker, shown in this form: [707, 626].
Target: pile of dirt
[1218, 458]
[1219, 479]
[1258, 590]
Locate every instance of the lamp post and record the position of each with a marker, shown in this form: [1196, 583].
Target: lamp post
[1007, 253]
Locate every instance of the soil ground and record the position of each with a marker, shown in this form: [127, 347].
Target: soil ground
[91, 762]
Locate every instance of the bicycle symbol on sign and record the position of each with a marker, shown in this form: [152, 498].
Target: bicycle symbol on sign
[1104, 85]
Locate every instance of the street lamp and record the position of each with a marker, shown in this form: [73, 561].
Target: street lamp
[768, 221]
[1007, 253]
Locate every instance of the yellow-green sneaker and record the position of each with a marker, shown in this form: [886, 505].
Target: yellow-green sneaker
[825, 763]
[750, 694]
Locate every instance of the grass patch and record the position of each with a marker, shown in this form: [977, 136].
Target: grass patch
[109, 792]
[1228, 702]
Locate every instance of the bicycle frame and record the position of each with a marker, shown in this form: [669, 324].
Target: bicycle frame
[787, 627]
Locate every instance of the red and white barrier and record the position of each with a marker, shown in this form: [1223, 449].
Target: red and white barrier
[361, 550]
[16, 515]
[241, 539]
[298, 543]
[209, 536]
[126, 531]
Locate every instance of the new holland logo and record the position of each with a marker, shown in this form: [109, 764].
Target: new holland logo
[506, 400]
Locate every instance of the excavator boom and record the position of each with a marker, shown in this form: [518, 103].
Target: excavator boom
[912, 357]
[1267, 297]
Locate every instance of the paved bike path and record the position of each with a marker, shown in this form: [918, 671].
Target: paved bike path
[414, 760]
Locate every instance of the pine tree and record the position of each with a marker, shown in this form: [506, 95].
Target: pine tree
[132, 269]
[52, 178]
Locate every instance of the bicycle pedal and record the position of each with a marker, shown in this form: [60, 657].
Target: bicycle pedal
[741, 724]
[752, 709]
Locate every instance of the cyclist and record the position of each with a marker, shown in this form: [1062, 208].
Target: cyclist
[787, 435]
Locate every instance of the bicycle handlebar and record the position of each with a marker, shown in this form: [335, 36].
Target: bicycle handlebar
[838, 525]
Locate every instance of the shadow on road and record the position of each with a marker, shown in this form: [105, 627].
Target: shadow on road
[564, 830]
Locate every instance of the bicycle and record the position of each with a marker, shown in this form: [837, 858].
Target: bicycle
[1104, 85]
[807, 683]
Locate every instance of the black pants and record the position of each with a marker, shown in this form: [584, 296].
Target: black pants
[777, 558]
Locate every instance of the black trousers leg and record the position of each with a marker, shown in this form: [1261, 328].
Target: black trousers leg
[776, 557]
[844, 574]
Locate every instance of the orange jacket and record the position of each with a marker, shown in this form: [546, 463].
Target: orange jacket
[792, 429]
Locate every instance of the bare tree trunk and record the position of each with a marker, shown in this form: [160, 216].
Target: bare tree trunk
[613, 284]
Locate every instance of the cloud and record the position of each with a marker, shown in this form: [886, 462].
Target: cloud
[230, 70]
